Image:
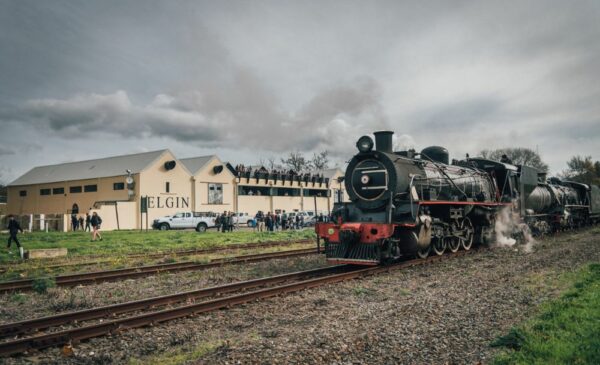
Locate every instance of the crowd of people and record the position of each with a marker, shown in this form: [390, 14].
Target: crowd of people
[242, 170]
[225, 222]
[77, 222]
[271, 222]
[262, 222]
[92, 224]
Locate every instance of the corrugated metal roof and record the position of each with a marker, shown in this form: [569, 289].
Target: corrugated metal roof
[194, 164]
[90, 169]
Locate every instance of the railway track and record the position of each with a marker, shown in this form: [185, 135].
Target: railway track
[114, 326]
[177, 253]
[140, 271]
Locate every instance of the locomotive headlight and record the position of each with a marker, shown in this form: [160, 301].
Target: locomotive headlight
[364, 144]
[365, 179]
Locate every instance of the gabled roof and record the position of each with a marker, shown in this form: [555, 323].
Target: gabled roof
[90, 169]
[195, 164]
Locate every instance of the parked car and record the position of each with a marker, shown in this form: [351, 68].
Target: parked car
[200, 221]
[243, 219]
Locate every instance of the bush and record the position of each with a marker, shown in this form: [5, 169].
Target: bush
[41, 285]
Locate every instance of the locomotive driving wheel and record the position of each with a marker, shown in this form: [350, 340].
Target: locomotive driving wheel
[466, 234]
[439, 245]
[422, 253]
[453, 243]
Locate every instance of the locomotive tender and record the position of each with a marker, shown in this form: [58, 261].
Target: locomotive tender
[407, 203]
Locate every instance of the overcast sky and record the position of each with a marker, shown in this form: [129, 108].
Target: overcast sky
[251, 79]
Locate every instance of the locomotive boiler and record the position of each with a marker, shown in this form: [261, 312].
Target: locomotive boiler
[408, 203]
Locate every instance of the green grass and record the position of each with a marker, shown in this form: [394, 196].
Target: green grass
[116, 243]
[566, 330]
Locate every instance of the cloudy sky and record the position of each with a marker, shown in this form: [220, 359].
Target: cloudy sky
[252, 79]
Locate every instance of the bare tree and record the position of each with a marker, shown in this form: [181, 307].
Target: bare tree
[272, 164]
[296, 161]
[518, 155]
[320, 161]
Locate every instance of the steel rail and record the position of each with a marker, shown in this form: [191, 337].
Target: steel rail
[140, 271]
[75, 335]
[33, 325]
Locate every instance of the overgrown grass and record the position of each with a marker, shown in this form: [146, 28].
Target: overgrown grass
[179, 355]
[125, 242]
[566, 331]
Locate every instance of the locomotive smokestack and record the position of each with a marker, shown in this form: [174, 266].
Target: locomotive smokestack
[383, 141]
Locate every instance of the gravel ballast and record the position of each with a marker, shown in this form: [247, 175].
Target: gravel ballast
[446, 312]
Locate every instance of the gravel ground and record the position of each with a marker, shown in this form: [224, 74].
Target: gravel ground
[445, 313]
[22, 306]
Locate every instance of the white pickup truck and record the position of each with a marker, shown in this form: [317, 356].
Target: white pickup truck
[200, 221]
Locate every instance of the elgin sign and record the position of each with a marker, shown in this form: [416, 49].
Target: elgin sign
[159, 202]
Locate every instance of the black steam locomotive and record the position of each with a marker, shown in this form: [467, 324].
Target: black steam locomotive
[407, 203]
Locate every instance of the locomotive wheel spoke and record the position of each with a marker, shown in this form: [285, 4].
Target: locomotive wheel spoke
[439, 246]
[452, 243]
[467, 233]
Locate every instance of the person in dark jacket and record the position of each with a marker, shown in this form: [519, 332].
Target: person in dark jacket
[13, 230]
[96, 221]
[231, 221]
[88, 222]
[218, 222]
[225, 222]
[74, 222]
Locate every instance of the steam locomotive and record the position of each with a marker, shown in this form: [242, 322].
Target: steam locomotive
[414, 204]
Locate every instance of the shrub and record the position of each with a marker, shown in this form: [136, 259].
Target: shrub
[41, 285]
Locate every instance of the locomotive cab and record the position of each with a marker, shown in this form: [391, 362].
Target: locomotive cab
[505, 176]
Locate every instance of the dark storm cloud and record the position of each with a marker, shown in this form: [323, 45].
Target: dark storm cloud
[459, 115]
[218, 117]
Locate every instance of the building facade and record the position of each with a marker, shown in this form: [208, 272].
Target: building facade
[114, 187]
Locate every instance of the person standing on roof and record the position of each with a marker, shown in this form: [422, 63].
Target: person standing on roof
[505, 159]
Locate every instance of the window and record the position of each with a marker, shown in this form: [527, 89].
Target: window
[23, 193]
[119, 186]
[44, 191]
[58, 191]
[75, 189]
[286, 192]
[254, 190]
[215, 193]
[168, 187]
[90, 188]
[317, 192]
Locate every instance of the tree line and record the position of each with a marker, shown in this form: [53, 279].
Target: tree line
[582, 169]
[298, 162]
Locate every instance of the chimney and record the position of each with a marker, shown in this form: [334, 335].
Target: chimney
[383, 141]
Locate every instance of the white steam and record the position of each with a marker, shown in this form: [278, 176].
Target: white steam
[509, 227]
